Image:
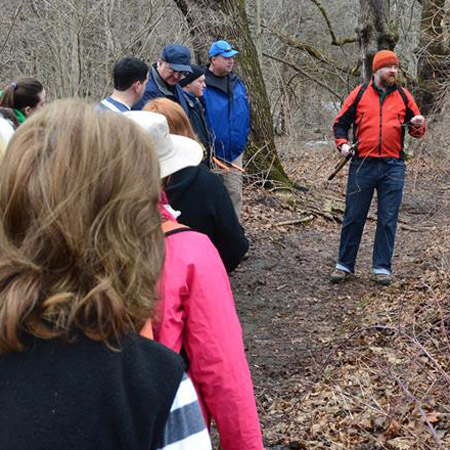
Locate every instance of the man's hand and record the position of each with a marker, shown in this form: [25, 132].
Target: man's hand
[345, 149]
[417, 121]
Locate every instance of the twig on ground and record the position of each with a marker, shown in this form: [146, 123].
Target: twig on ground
[295, 221]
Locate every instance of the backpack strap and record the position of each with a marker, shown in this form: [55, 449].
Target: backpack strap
[354, 105]
[364, 87]
[360, 94]
[170, 227]
[404, 97]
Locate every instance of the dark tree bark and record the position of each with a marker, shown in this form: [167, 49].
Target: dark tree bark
[211, 20]
[433, 54]
[374, 33]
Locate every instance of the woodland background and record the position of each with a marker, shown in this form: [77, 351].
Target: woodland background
[299, 58]
[334, 367]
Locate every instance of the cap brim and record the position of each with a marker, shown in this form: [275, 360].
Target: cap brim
[225, 54]
[229, 54]
[185, 153]
[181, 67]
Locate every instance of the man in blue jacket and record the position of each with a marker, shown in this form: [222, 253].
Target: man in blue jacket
[228, 115]
[165, 74]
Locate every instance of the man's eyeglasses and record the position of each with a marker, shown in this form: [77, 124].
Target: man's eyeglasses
[182, 72]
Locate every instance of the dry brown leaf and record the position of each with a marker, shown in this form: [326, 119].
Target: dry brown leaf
[392, 431]
[433, 417]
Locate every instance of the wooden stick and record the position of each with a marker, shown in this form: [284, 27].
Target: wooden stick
[220, 164]
[226, 165]
[294, 222]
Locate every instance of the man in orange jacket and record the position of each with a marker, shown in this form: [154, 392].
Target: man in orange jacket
[380, 112]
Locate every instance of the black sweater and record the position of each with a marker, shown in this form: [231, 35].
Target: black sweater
[206, 207]
[60, 396]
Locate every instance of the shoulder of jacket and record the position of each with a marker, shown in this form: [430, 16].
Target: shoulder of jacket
[235, 79]
[181, 245]
[406, 91]
[142, 347]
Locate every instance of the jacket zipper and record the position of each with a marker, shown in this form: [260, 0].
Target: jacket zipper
[381, 124]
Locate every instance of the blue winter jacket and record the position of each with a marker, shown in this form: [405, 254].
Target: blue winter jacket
[228, 116]
[156, 87]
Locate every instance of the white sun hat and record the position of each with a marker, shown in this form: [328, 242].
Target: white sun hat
[6, 132]
[174, 152]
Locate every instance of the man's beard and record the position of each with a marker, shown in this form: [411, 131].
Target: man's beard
[388, 80]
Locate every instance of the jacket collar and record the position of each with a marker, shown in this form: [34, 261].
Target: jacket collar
[221, 83]
[160, 83]
[380, 91]
[190, 98]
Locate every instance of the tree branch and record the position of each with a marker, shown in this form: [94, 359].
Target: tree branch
[334, 41]
[16, 14]
[305, 74]
[309, 49]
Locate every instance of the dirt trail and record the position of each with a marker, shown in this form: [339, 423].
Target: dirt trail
[291, 315]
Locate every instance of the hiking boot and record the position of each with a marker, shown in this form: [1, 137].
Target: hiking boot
[338, 275]
[385, 279]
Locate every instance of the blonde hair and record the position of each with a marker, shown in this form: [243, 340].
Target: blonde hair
[176, 117]
[81, 247]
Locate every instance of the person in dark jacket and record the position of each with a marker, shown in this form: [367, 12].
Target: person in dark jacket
[206, 207]
[165, 74]
[194, 85]
[81, 251]
[200, 195]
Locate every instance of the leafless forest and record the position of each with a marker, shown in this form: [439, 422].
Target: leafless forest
[336, 367]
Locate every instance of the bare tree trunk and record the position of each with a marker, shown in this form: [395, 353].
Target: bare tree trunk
[210, 20]
[374, 32]
[433, 54]
[258, 38]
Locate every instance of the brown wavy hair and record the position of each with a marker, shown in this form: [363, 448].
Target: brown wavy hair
[176, 117]
[81, 246]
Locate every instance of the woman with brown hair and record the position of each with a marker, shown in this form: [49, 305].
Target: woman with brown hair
[81, 251]
[24, 97]
[200, 195]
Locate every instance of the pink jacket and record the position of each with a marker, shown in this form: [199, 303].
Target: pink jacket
[197, 312]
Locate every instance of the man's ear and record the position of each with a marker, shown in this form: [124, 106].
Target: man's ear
[26, 111]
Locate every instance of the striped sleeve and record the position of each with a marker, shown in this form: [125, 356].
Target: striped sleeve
[185, 428]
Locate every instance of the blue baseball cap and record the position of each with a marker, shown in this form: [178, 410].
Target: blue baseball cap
[178, 56]
[222, 48]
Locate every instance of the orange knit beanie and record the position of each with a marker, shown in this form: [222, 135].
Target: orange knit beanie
[383, 58]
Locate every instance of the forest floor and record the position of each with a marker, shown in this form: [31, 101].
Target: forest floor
[355, 365]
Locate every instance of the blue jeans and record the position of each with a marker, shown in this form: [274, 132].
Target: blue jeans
[387, 177]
